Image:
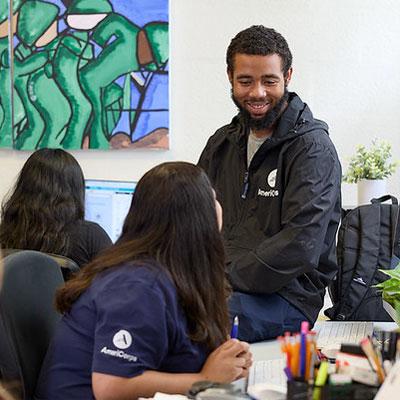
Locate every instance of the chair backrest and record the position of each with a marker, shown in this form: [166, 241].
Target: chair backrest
[10, 371]
[68, 266]
[27, 305]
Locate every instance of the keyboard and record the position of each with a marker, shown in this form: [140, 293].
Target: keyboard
[268, 371]
[333, 333]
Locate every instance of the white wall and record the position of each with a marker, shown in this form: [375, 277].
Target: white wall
[346, 67]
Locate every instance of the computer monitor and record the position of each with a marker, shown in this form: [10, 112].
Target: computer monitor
[107, 202]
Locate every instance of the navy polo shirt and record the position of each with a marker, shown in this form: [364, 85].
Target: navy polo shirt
[128, 321]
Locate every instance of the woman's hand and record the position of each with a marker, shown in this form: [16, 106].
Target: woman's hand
[228, 362]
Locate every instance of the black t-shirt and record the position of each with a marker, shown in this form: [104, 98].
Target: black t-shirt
[87, 239]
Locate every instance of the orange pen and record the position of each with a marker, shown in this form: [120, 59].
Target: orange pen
[295, 356]
[310, 350]
[284, 348]
[288, 349]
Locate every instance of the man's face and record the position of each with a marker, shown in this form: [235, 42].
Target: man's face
[259, 88]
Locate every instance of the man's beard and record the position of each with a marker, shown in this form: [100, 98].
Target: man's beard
[269, 119]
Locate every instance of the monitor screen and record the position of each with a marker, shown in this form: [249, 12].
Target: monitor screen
[107, 203]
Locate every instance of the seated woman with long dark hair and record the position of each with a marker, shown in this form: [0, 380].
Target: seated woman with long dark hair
[149, 314]
[45, 210]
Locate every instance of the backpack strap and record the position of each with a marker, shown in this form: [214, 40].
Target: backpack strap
[384, 198]
[366, 261]
[395, 226]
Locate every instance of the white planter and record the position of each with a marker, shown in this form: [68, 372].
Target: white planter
[368, 189]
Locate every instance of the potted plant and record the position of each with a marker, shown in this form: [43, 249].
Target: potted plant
[390, 290]
[369, 168]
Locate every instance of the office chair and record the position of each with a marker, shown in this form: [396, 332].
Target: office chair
[27, 305]
[10, 374]
[68, 266]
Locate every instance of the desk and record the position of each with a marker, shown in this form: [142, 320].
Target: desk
[270, 349]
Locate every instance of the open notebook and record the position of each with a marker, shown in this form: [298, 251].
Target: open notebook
[334, 333]
[268, 371]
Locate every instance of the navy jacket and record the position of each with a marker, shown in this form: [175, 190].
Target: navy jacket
[281, 214]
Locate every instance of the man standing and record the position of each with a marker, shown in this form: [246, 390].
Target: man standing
[277, 176]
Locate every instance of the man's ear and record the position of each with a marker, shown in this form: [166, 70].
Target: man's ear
[288, 76]
[230, 75]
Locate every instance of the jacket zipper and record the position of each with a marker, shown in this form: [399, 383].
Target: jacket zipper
[244, 205]
[245, 184]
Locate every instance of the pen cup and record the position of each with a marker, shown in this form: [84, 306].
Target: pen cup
[298, 390]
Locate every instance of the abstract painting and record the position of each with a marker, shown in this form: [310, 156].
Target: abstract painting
[84, 74]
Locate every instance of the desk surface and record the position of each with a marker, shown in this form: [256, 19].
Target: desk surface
[270, 349]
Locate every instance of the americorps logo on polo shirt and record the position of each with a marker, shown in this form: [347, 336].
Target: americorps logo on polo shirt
[121, 340]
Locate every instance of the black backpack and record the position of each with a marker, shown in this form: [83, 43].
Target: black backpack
[368, 240]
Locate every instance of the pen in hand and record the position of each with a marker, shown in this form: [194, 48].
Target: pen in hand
[235, 328]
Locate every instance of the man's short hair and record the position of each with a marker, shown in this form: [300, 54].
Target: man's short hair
[261, 41]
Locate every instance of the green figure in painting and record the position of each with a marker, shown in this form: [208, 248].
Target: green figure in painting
[38, 30]
[48, 98]
[6, 139]
[47, 109]
[44, 104]
[115, 60]
[73, 53]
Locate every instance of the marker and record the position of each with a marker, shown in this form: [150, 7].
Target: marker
[288, 373]
[303, 348]
[235, 328]
[322, 374]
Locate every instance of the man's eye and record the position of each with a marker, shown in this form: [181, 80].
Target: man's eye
[270, 83]
[245, 83]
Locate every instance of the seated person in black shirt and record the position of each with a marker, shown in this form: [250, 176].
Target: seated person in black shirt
[45, 210]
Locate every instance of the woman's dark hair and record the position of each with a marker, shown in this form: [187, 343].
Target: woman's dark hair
[172, 219]
[48, 196]
[261, 41]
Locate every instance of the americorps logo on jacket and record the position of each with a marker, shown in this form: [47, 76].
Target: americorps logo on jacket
[121, 340]
[271, 179]
[271, 182]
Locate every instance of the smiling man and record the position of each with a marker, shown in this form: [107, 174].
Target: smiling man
[277, 176]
